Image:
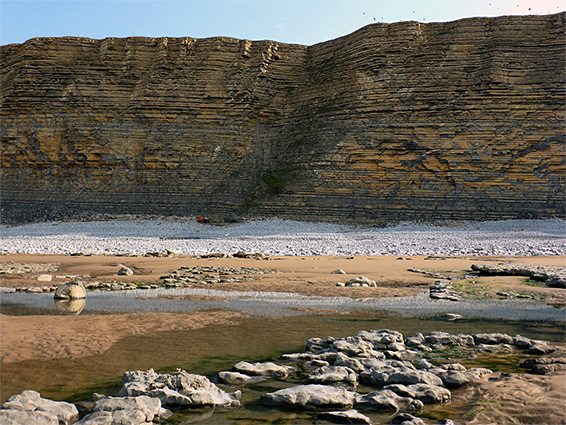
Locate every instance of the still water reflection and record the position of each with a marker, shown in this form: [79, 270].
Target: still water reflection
[214, 348]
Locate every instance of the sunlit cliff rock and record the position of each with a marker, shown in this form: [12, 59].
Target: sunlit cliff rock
[404, 121]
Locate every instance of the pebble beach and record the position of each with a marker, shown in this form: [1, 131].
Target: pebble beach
[286, 238]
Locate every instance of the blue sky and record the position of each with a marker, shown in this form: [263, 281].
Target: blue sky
[291, 21]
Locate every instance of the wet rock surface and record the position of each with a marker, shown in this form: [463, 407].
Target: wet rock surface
[31, 401]
[553, 276]
[377, 372]
[180, 389]
[188, 276]
[125, 411]
[442, 290]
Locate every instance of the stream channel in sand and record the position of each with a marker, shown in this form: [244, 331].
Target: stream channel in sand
[287, 321]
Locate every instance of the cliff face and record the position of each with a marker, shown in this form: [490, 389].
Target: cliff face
[406, 121]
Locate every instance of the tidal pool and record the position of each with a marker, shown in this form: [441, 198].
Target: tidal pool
[284, 327]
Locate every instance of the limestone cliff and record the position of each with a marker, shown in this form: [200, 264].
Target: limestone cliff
[405, 121]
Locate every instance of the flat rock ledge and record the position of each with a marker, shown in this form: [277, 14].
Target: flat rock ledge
[552, 276]
[188, 276]
[339, 380]
[181, 278]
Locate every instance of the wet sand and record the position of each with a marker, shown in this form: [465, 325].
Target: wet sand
[25, 338]
[28, 337]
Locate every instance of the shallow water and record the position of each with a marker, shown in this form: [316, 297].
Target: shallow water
[212, 349]
[270, 304]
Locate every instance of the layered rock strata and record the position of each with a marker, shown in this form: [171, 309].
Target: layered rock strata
[404, 121]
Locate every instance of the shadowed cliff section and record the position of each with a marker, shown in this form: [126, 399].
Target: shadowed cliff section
[405, 121]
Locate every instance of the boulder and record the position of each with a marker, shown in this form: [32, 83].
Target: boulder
[318, 345]
[263, 369]
[333, 375]
[345, 417]
[449, 316]
[541, 348]
[361, 281]
[21, 417]
[116, 417]
[386, 400]
[31, 401]
[381, 339]
[149, 407]
[492, 338]
[442, 290]
[415, 341]
[523, 342]
[309, 397]
[451, 378]
[125, 271]
[352, 346]
[445, 338]
[545, 365]
[177, 389]
[314, 364]
[380, 377]
[428, 394]
[353, 363]
[237, 378]
[70, 290]
[298, 357]
[406, 419]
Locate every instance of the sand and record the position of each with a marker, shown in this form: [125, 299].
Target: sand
[529, 399]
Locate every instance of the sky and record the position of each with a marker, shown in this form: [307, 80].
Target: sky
[290, 21]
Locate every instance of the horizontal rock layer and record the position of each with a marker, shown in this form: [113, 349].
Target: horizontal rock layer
[404, 121]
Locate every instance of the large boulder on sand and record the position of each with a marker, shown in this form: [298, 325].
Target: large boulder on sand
[70, 291]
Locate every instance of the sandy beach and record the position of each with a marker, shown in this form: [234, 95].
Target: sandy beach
[40, 338]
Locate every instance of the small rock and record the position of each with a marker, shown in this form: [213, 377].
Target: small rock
[380, 377]
[428, 394]
[385, 400]
[338, 271]
[352, 345]
[263, 369]
[332, 375]
[237, 378]
[406, 419]
[45, 278]
[125, 271]
[345, 417]
[450, 316]
[541, 348]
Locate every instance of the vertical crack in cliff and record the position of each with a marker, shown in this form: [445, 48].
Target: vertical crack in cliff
[403, 121]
